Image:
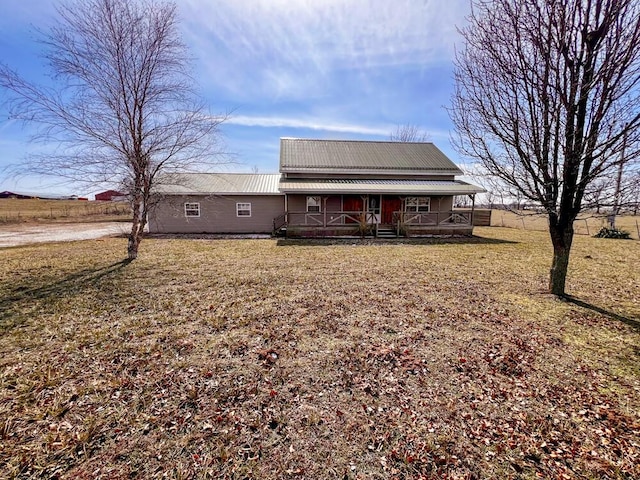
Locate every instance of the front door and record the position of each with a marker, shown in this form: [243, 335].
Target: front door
[390, 205]
[373, 208]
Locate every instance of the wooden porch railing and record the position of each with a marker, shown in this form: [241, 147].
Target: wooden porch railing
[325, 219]
[432, 218]
[279, 222]
[344, 218]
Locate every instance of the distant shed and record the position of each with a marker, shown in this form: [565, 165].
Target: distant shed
[31, 195]
[8, 194]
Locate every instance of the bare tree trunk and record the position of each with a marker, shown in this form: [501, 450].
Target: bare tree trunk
[616, 195]
[561, 238]
[135, 237]
[137, 228]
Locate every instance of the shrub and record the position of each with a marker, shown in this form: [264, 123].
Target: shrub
[612, 233]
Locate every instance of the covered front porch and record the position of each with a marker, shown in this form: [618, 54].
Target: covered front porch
[371, 215]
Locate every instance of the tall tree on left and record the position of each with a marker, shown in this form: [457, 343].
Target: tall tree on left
[122, 105]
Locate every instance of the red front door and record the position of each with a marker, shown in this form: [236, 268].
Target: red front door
[390, 205]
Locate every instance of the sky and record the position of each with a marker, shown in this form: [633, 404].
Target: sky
[327, 69]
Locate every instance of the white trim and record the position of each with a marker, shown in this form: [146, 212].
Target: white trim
[243, 207]
[192, 207]
[316, 202]
[418, 204]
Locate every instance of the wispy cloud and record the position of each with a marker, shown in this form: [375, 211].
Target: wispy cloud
[296, 47]
[309, 124]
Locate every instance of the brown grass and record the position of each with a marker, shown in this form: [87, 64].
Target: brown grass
[586, 224]
[266, 359]
[33, 210]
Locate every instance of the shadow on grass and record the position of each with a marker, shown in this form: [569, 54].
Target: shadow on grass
[632, 322]
[325, 242]
[72, 283]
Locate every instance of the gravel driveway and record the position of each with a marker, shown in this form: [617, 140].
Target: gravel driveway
[14, 235]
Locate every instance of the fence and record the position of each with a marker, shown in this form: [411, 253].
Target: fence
[584, 225]
[17, 211]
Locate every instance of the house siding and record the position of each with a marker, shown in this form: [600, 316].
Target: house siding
[217, 214]
[298, 203]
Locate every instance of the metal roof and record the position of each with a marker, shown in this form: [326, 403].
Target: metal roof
[351, 156]
[219, 184]
[391, 187]
[274, 184]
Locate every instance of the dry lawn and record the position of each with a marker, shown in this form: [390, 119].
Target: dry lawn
[263, 359]
[586, 224]
[34, 210]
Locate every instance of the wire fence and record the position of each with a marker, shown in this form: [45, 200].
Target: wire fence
[589, 224]
[18, 211]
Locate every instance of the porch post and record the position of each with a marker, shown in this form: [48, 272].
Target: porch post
[365, 205]
[324, 211]
[473, 204]
[286, 208]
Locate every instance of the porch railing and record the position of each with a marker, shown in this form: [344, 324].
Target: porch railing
[432, 218]
[328, 219]
[349, 218]
[279, 222]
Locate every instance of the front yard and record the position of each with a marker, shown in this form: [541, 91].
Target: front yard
[266, 359]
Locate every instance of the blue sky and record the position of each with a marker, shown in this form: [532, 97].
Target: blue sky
[348, 69]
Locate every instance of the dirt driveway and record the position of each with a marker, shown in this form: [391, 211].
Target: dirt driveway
[15, 235]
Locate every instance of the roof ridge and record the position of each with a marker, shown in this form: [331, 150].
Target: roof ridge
[344, 140]
[225, 173]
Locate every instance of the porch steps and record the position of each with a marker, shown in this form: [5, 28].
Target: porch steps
[387, 232]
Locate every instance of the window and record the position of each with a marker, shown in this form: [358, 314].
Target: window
[417, 204]
[313, 204]
[243, 209]
[191, 209]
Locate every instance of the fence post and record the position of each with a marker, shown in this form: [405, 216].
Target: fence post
[587, 224]
[638, 229]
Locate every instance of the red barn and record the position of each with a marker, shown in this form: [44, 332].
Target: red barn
[109, 195]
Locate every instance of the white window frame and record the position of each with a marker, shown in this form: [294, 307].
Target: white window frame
[192, 209]
[314, 202]
[417, 204]
[243, 209]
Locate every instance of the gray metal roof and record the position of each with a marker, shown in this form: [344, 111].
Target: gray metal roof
[366, 157]
[391, 187]
[219, 184]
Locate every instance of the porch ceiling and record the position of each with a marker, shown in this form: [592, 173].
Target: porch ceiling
[387, 187]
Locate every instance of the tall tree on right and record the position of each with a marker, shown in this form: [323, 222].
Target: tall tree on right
[547, 99]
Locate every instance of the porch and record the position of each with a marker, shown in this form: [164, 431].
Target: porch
[369, 224]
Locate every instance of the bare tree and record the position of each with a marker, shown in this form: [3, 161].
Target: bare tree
[408, 133]
[123, 106]
[546, 91]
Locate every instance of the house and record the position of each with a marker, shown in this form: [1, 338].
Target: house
[325, 188]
